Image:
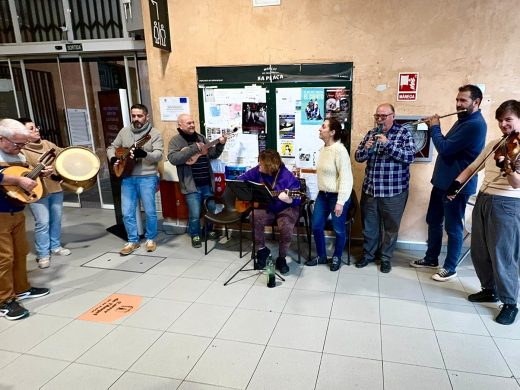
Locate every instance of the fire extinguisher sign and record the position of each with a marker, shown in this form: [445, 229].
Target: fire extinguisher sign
[407, 86]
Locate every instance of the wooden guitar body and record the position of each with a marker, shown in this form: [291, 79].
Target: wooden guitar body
[126, 165]
[17, 194]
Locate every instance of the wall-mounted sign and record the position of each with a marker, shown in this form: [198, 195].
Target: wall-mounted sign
[74, 46]
[407, 86]
[160, 24]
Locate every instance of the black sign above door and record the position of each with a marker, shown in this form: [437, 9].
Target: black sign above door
[160, 24]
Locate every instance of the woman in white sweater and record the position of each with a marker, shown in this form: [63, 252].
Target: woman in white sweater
[335, 186]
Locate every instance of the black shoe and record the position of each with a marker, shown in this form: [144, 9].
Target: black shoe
[33, 292]
[281, 265]
[317, 260]
[196, 242]
[336, 263]
[12, 310]
[486, 295]
[261, 258]
[507, 315]
[385, 267]
[363, 262]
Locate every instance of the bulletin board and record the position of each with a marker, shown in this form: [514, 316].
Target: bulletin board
[278, 107]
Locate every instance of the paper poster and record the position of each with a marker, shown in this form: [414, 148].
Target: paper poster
[171, 107]
[112, 308]
[253, 117]
[286, 128]
[287, 148]
[337, 104]
[312, 106]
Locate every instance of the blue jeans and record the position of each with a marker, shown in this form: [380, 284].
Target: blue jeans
[451, 213]
[47, 228]
[324, 206]
[381, 216]
[195, 201]
[132, 189]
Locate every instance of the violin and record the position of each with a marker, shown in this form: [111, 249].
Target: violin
[507, 153]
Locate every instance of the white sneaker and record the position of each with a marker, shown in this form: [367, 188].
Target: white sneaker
[61, 251]
[44, 262]
[444, 275]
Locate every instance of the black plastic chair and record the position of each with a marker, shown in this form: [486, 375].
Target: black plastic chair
[351, 215]
[228, 215]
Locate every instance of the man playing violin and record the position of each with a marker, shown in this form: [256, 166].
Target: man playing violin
[189, 151]
[271, 172]
[142, 181]
[495, 232]
[457, 149]
[14, 284]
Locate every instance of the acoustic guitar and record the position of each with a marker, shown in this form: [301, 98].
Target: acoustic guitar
[294, 194]
[126, 164]
[16, 193]
[193, 159]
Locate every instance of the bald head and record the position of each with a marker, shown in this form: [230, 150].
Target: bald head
[186, 124]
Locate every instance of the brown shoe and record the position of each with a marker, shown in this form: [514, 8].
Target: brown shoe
[129, 248]
[151, 246]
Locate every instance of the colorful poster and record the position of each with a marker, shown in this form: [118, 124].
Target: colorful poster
[253, 117]
[286, 126]
[287, 149]
[337, 104]
[312, 106]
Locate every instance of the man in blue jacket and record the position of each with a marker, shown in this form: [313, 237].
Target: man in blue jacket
[457, 149]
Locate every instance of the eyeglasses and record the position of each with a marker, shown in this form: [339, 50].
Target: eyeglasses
[17, 144]
[382, 116]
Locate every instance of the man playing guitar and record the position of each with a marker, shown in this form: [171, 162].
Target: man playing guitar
[271, 172]
[195, 174]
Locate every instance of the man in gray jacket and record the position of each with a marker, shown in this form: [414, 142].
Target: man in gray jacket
[139, 182]
[188, 150]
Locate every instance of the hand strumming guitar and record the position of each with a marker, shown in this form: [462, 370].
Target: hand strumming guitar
[26, 183]
[222, 139]
[284, 197]
[47, 171]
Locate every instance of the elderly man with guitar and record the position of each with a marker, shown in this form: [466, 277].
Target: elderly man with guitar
[191, 152]
[135, 155]
[20, 185]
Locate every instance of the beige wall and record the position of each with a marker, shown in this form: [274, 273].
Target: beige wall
[449, 42]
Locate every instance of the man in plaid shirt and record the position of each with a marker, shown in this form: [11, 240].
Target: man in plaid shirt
[389, 150]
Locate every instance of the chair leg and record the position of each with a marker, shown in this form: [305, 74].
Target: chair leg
[308, 229]
[240, 232]
[227, 236]
[298, 243]
[205, 236]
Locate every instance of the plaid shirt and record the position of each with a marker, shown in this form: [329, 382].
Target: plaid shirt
[388, 166]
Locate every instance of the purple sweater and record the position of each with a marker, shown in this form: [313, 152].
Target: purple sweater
[286, 181]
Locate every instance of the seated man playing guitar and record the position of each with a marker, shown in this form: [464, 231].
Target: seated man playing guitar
[191, 153]
[14, 284]
[271, 172]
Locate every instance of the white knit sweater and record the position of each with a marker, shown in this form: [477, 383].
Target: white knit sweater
[335, 171]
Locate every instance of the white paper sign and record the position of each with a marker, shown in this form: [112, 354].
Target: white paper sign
[172, 106]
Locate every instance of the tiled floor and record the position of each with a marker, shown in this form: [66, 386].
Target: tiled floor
[353, 329]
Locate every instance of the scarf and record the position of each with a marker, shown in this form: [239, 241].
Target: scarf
[143, 129]
[190, 138]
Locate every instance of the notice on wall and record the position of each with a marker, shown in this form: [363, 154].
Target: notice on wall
[407, 86]
[171, 107]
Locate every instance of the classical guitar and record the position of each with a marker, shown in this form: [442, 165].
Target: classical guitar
[294, 194]
[193, 159]
[16, 193]
[126, 164]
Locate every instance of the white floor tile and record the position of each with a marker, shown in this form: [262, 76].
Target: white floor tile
[41, 371]
[510, 349]
[405, 313]
[218, 294]
[147, 285]
[282, 368]
[227, 363]
[133, 381]
[171, 267]
[402, 376]
[349, 373]
[186, 385]
[318, 278]
[201, 320]
[74, 304]
[358, 284]
[300, 332]
[310, 303]
[205, 270]
[470, 353]
[400, 289]
[456, 318]
[251, 326]
[30, 332]
[172, 356]
[451, 292]
[266, 299]
[357, 339]
[356, 308]
[121, 348]
[65, 343]
[467, 381]
[7, 357]
[488, 312]
[156, 314]
[184, 289]
[83, 377]
[411, 346]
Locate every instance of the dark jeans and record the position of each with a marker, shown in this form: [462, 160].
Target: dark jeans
[377, 212]
[324, 206]
[195, 200]
[451, 213]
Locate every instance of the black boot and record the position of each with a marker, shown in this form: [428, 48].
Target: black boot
[281, 265]
[261, 257]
